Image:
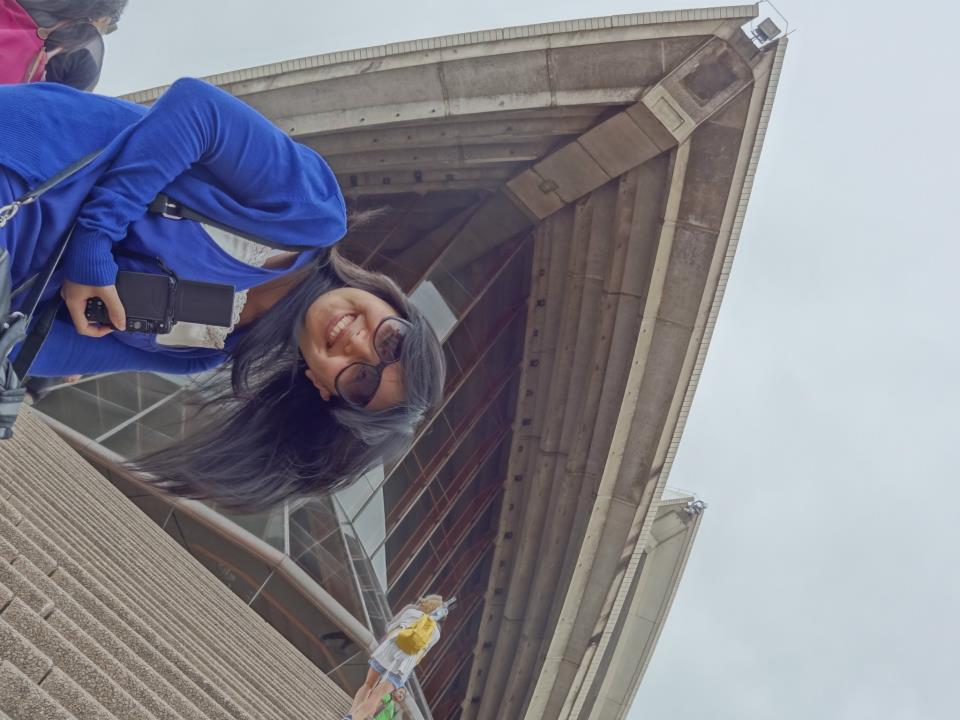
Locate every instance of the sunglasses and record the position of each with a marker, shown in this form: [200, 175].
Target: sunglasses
[358, 382]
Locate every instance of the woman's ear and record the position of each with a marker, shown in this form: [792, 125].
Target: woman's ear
[316, 383]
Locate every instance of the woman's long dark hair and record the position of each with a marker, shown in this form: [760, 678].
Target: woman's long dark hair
[269, 436]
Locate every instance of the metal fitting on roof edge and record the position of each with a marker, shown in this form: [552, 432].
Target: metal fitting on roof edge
[694, 507]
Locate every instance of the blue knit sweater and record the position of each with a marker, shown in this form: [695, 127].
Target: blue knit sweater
[196, 143]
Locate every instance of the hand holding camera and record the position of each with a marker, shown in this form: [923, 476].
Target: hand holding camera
[77, 298]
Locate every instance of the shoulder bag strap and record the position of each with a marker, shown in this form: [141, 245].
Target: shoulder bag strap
[37, 284]
[39, 330]
[34, 71]
[169, 208]
[7, 213]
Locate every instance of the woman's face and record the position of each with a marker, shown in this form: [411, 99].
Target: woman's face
[338, 330]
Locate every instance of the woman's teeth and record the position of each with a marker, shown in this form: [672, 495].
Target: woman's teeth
[342, 324]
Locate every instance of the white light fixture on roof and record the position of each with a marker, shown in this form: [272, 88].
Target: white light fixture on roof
[766, 31]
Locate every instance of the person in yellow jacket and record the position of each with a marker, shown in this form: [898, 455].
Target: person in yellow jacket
[411, 633]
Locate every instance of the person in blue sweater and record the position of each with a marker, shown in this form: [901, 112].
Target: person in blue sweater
[330, 367]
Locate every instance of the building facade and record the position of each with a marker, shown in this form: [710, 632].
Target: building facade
[564, 202]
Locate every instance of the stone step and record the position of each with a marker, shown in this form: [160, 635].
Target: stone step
[109, 693]
[23, 578]
[60, 687]
[22, 699]
[26, 547]
[135, 634]
[96, 597]
[120, 616]
[21, 653]
[12, 577]
[7, 510]
[230, 660]
[201, 621]
[142, 689]
[7, 551]
[132, 651]
[6, 595]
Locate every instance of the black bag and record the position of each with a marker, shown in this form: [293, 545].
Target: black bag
[13, 329]
[15, 326]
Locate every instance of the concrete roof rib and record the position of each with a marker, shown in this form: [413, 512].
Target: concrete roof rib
[632, 20]
[585, 459]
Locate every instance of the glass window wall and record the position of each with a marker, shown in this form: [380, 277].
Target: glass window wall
[433, 504]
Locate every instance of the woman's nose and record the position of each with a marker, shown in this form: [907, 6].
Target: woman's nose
[359, 345]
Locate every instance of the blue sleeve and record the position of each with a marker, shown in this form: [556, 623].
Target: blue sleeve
[66, 353]
[262, 173]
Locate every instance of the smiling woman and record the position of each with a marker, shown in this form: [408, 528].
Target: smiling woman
[327, 368]
[351, 342]
[296, 416]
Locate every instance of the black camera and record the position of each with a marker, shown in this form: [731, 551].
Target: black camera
[154, 303]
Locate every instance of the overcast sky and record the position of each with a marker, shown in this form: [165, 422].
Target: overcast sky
[824, 581]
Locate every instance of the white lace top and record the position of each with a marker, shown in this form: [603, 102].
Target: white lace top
[185, 334]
